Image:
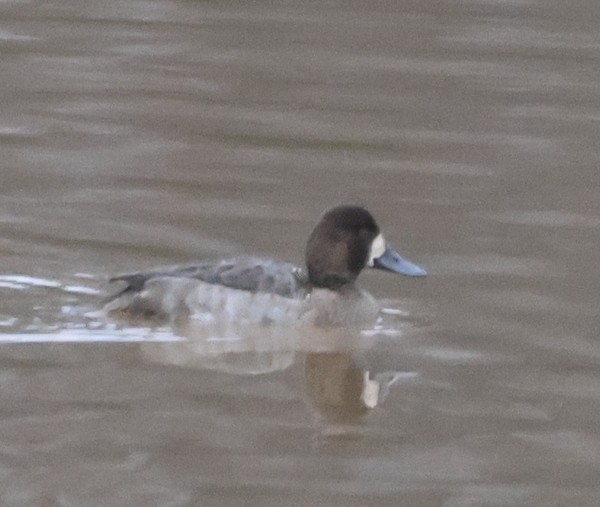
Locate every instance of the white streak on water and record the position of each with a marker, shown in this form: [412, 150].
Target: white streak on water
[11, 285]
[87, 336]
[29, 280]
[8, 321]
[79, 289]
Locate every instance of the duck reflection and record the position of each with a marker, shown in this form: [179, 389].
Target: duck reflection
[340, 390]
[234, 355]
[336, 385]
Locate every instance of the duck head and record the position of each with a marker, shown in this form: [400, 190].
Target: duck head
[346, 240]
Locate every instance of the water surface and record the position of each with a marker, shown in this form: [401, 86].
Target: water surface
[155, 132]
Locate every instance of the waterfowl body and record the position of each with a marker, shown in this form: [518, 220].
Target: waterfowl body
[258, 289]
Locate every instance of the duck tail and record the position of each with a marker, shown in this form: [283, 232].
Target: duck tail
[133, 283]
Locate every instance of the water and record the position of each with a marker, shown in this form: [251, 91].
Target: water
[146, 133]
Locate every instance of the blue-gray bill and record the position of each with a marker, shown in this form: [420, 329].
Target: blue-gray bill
[393, 261]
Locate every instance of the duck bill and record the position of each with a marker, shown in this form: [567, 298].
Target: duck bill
[393, 261]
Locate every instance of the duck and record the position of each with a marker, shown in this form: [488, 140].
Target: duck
[258, 290]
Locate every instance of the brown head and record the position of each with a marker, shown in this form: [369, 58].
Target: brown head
[346, 240]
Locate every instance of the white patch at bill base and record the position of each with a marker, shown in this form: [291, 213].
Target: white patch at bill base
[377, 249]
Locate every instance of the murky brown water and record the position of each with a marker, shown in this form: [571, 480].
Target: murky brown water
[153, 132]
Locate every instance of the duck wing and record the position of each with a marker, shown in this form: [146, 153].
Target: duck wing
[253, 274]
